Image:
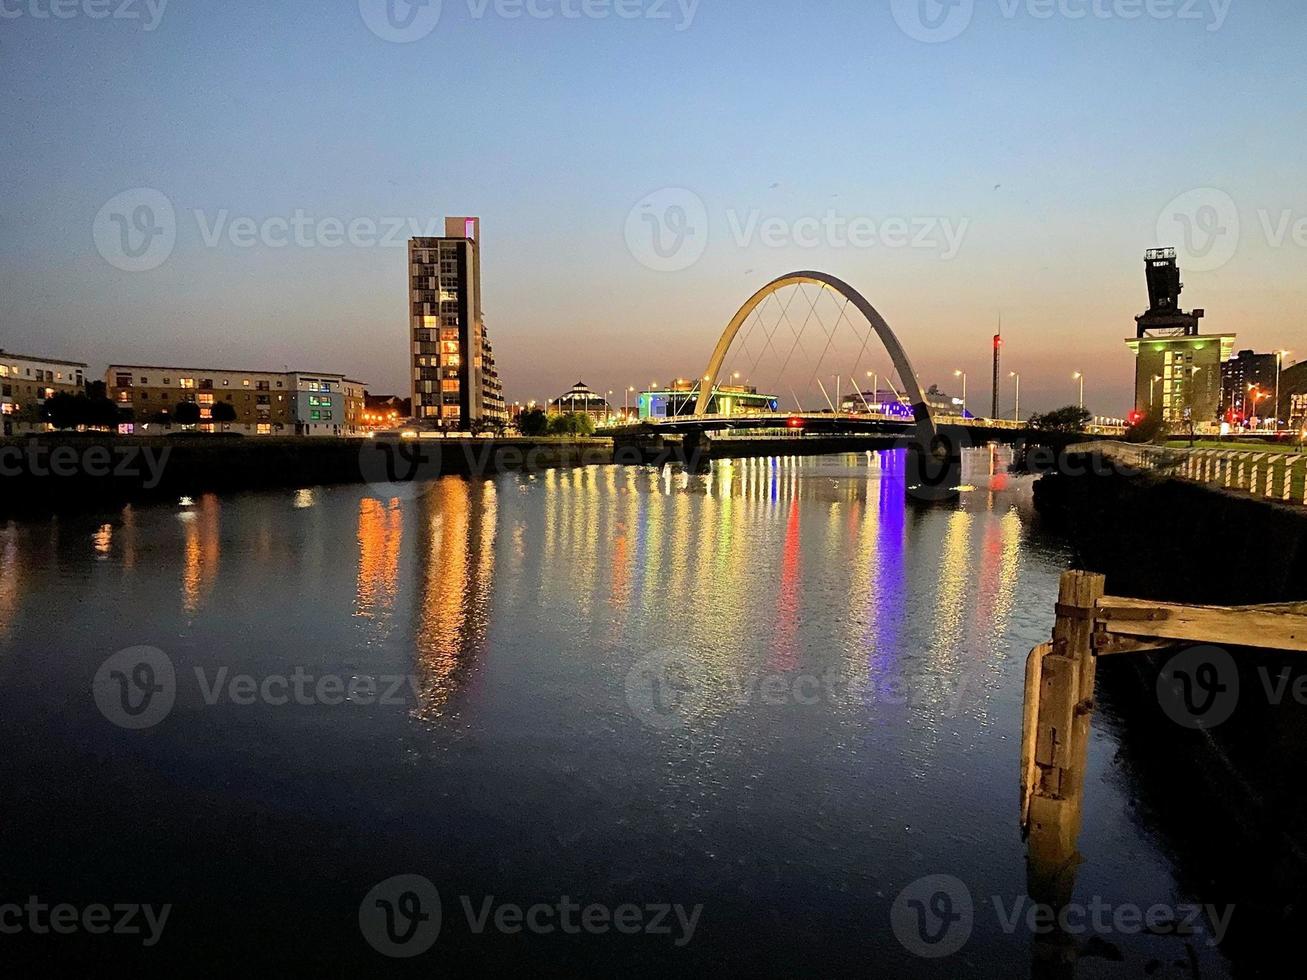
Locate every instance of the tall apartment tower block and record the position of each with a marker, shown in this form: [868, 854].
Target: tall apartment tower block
[455, 383]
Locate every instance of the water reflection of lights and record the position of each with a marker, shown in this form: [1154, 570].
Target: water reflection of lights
[457, 525]
[202, 549]
[10, 577]
[380, 534]
[102, 541]
[304, 499]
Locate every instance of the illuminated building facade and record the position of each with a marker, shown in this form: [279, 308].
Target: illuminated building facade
[1248, 386]
[1177, 368]
[878, 403]
[455, 382]
[27, 381]
[682, 397]
[580, 398]
[264, 403]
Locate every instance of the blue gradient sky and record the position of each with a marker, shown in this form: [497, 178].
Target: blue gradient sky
[1059, 141]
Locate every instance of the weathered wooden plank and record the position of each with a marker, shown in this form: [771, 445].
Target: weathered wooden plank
[1110, 645]
[1029, 719]
[1279, 627]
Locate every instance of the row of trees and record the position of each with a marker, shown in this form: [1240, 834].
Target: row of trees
[66, 411]
[536, 423]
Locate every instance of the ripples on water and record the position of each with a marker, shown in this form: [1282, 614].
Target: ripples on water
[775, 689]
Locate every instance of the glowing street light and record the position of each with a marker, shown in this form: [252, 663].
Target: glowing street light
[1016, 411]
[1079, 376]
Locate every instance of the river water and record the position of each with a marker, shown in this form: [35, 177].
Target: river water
[768, 700]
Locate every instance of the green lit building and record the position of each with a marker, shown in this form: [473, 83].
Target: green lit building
[683, 396]
[1177, 368]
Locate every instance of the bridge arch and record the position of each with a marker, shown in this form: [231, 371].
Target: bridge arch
[898, 356]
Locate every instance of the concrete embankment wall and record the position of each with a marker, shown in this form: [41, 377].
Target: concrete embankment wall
[1234, 796]
[1169, 539]
[57, 471]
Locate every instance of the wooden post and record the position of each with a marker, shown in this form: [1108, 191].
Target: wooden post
[1029, 721]
[1061, 738]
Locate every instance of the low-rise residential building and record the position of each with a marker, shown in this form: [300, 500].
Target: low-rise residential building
[259, 402]
[28, 380]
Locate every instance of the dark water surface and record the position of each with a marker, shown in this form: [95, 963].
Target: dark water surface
[776, 692]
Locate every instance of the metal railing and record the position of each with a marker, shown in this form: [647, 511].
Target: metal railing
[1269, 474]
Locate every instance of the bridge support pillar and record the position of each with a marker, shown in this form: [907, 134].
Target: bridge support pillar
[696, 450]
[934, 467]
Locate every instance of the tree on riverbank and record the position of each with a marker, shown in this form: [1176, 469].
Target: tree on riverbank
[1147, 428]
[66, 411]
[533, 423]
[571, 424]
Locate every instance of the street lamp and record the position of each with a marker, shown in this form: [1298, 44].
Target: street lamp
[1016, 411]
[1152, 387]
[963, 376]
[1079, 376]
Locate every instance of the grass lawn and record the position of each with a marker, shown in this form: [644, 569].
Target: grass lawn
[1241, 445]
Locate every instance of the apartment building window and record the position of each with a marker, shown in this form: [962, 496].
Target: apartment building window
[263, 428]
[145, 380]
[124, 381]
[187, 382]
[207, 383]
[263, 386]
[167, 381]
[246, 382]
[206, 399]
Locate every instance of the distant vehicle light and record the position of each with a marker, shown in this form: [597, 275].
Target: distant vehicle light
[795, 422]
